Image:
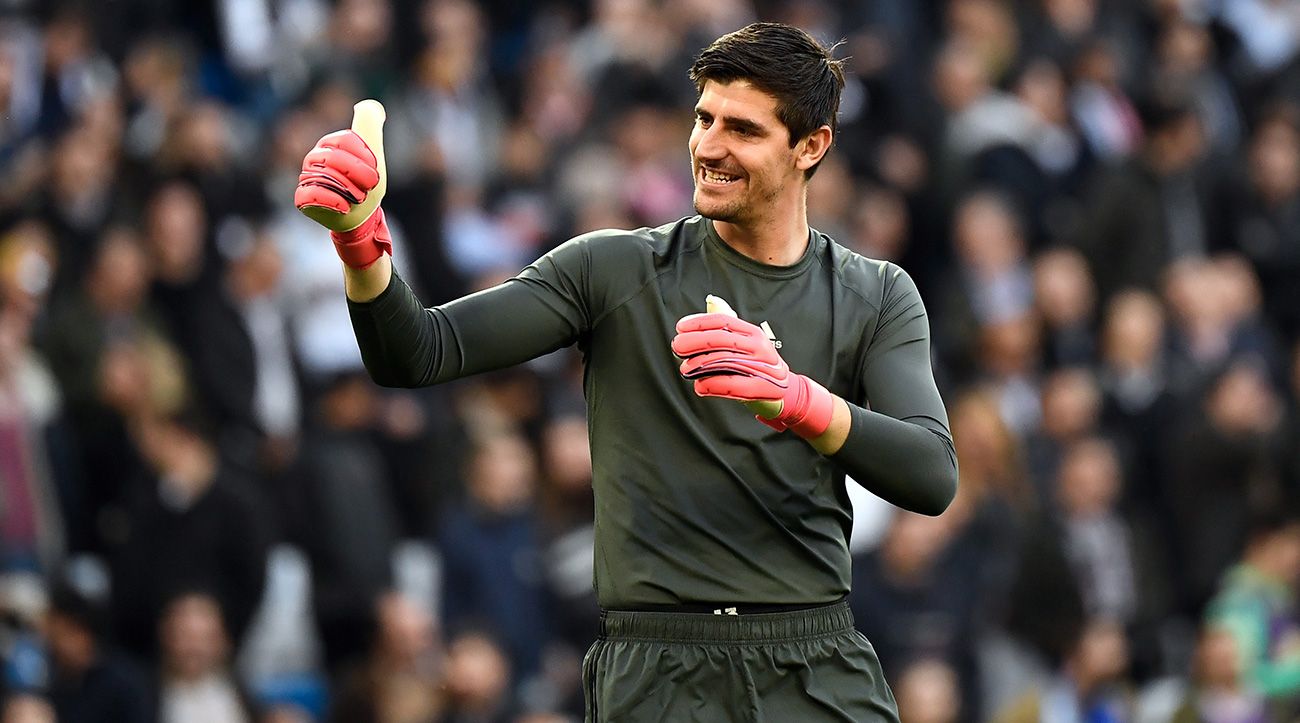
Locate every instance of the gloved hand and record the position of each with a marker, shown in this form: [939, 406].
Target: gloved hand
[342, 182]
[726, 356]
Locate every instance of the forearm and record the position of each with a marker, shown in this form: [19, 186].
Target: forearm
[907, 464]
[363, 285]
[835, 435]
[395, 333]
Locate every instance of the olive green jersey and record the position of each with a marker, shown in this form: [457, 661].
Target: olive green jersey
[696, 501]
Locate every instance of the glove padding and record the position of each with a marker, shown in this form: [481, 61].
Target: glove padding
[728, 357]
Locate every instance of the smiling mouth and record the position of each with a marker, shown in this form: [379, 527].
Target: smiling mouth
[717, 178]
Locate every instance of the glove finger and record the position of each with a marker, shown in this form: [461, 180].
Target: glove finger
[705, 322]
[317, 195]
[352, 142]
[690, 343]
[340, 166]
[735, 386]
[354, 159]
[700, 321]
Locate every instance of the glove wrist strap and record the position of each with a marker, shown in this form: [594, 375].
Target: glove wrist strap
[807, 412]
[363, 245]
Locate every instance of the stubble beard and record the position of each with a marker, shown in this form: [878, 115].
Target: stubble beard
[743, 209]
[727, 212]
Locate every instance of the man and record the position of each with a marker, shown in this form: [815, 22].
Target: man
[1256, 605]
[89, 681]
[721, 543]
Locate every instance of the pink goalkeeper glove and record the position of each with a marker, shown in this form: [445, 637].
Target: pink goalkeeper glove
[338, 174]
[732, 358]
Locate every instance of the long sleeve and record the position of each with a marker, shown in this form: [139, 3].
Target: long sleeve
[900, 448]
[543, 309]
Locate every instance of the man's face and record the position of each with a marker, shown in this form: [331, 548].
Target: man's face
[740, 153]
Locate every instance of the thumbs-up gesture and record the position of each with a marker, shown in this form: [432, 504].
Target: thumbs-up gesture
[342, 182]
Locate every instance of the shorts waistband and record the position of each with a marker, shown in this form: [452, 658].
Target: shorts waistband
[725, 609]
[725, 628]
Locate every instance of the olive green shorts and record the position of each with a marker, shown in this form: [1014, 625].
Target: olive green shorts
[788, 667]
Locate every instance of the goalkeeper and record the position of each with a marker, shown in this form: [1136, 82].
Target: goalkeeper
[722, 561]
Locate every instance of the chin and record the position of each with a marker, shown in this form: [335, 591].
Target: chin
[726, 213]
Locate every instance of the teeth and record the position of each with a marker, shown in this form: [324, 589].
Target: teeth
[715, 177]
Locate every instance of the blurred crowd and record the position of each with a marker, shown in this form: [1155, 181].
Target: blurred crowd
[208, 514]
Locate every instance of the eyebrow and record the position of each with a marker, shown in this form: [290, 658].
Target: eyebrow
[736, 122]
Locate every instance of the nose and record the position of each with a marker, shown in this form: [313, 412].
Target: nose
[708, 144]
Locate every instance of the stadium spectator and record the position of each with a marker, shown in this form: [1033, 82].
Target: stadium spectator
[1142, 391]
[109, 352]
[1071, 412]
[38, 475]
[89, 681]
[1256, 606]
[928, 693]
[1152, 210]
[1090, 684]
[1223, 467]
[195, 684]
[995, 501]
[495, 531]
[912, 599]
[1220, 691]
[565, 512]
[992, 283]
[401, 680]
[241, 364]
[1185, 65]
[477, 680]
[191, 524]
[1095, 539]
[1066, 298]
[1260, 215]
[351, 524]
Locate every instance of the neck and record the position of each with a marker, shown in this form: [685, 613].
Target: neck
[778, 239]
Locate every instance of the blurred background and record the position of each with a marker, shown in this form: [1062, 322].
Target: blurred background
[208, 514]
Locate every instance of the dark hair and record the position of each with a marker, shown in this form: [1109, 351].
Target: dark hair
[785, 62]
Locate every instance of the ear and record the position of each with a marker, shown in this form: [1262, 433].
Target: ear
[811, 149]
